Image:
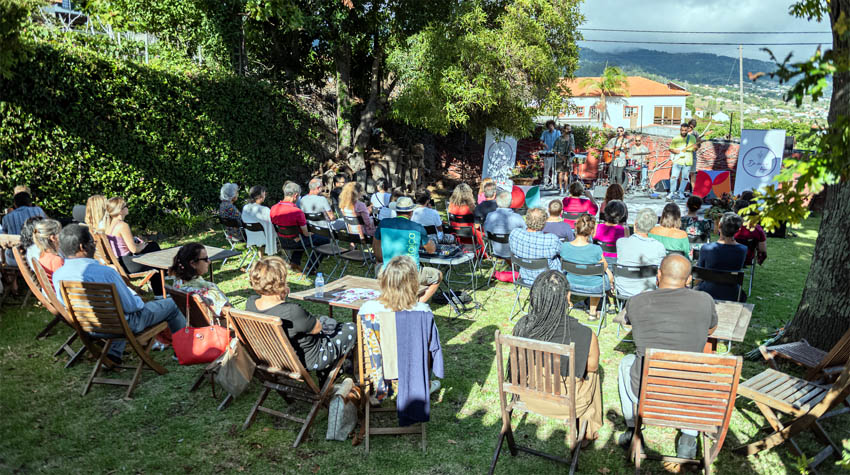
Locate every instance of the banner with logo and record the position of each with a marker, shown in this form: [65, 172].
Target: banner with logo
[759, 158]
[499, 158]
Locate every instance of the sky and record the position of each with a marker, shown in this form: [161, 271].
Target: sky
[703, 15]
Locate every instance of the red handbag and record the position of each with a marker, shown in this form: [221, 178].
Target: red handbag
[199, 345]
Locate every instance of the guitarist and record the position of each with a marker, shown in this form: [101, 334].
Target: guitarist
[682, 150]
[618, 147]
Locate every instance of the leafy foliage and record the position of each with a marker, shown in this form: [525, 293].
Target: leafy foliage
[612, 82]
[13, 14]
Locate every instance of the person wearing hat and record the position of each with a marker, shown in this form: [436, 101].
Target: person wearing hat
[400, 236]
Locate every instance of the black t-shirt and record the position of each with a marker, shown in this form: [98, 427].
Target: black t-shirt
[570, 330]
[669, 319]
[335, 196]
[483, 209]
[297, 323]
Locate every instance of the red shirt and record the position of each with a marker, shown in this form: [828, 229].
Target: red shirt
[756, 235]
[285, 213]
[578, 205]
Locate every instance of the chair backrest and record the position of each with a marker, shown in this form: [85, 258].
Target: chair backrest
[229, 222]
[634, 272]
[95, 307]
[254, 227]
[572, 216]
[431, 230]
[193, 307]
[582, 269]
[607, 246]
[49, 293]
[102, 242]
[718, 276]
[266, 342]
[685, 390]
[30, 278]
[315, 217]
[100, 253]
[345, 236]
[839, 354]
[698, 239]
[535, 370]
[461, 219]
[287, 231]
[320, 230]
[530, 264]
[676, 251]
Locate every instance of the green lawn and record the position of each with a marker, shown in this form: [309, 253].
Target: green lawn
[47, 427]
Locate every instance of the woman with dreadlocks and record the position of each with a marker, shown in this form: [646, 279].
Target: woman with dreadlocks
[549, 320]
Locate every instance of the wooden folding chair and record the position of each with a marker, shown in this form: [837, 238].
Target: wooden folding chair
[102, 247]
[35, 289]
[818, 363]
[804, 401]
[279, 369]
[55, 306]
[366, 382]
[535, 372]
[96, 308]
[684, 390]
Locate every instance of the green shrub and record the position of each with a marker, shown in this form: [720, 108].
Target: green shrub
[75, 122]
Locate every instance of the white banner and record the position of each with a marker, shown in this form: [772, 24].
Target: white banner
[499, 158]
[759, 158]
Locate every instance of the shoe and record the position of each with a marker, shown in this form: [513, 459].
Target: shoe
[686, 448]
[669, 196]
[625, 439]
[435, 386]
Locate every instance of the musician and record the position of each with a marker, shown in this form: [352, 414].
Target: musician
[618, 147]
[640, 154]
[565, 148]
[692, 125]
[548, 138]
[682, 150]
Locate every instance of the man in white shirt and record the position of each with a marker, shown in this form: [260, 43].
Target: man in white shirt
[315, 202]
[639, 250]
[425, 215]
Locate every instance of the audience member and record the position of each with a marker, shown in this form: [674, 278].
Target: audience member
[125, 245]
[503, 221]
[96, 216]
[614, 192]
[351, 206]
[667, 231]
[673, 317]
[228, 210]
[532, 243]
[315, 203]
[77, 244]
[612, 229]
[724, 255]
[286, 214]
[488, 205]
[78, 214]
[318, 342]
[46, 237]
[481, 195]
[381, 199]
[425, 215]
[462, 203]
[400, 236]
[15, 219]
[188, 268]
[575, 204]
[752, 236]
[698, 229]
[556, 225]
[639, 250]
[581, 250]
[339, 181]
[548, 320]
[254, 212]
[27, 244]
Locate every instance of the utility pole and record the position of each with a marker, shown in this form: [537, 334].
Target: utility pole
[741, 87]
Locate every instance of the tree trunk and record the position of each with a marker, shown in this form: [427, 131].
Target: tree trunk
[343, 98]
[824, 311]
[368, 117]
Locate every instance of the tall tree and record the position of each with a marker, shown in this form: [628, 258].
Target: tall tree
[613, 82]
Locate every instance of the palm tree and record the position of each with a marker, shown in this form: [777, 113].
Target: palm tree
[613, 82]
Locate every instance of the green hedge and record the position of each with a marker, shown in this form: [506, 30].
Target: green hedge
[74, 122]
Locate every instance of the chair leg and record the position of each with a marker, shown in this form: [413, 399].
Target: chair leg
[46, 331]
[706, 460]
[76, 358]
[256, 408]
[97, 366]
[366, 421]
[143, 360]
[497, 452]
[312, 415]
[66, 346]
[227, 400]
[424, 438]
[577, 448]
[516, 300]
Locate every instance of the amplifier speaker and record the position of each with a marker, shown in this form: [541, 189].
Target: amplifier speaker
[662, 185]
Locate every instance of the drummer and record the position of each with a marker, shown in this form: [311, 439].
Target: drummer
[548, 138]
[618, 146]
[640, 155]
[564, 148]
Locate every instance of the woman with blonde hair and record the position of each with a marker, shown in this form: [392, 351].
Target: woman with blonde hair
[399, 283]
[96, 216]
[124, 244]
[318, 342]
[351, 206]
[46, 237]
[462, 203]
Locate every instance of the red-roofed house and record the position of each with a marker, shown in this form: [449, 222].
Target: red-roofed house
[649, 102]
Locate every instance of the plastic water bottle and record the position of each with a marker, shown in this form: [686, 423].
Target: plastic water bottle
[320, 285]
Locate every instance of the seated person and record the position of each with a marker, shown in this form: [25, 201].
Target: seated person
[575, 204]
[488, 205]
[318, 342]
[228, 210]
[400, 236]
[615, 192]
[639, 250]
[724, 255]
[753, 237]
[15, 219]
[556, 225]
[381, 199]
[96, 216]
[425, 215]
[698, 229]
[462, 203]
[125, 245]
[548, 320]
[254, 212]
[673, 317]
[286, 213]
[668, 233]
[611, 230]
[315, 203]
[533, 243]
[339, 181]
[581, 250]
[190, 265]
[77, 244]
[481, 186]
[351, 206]
[46, 237]
[503, 221]
[29, 248]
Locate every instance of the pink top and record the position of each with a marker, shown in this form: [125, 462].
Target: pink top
[361, 210]
[119, 247]
[578, 205]
[609, 234]
[50, 262]
[481, 198]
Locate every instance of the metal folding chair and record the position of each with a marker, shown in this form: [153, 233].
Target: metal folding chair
[628, 272]
[330, 249]
[520, 263]
[597, 269]
[293, 234]
[498, 238]
[231, 223]
[253, 250]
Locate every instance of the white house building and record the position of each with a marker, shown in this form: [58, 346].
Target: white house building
[649, 102]
[720, 117]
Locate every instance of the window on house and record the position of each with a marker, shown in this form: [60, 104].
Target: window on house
[580, 111]
[594, 112]
[667, 115]
[630, 111]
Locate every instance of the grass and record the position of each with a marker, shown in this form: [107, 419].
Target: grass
[48, 428]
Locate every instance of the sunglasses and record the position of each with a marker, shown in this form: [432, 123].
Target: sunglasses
[202, 259]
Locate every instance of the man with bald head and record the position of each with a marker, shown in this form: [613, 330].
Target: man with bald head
[672, 317]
